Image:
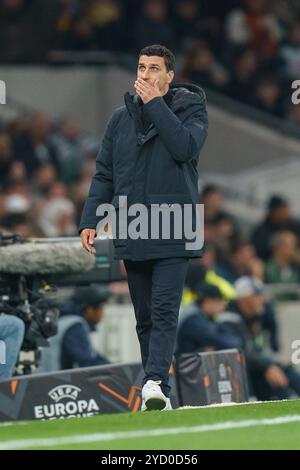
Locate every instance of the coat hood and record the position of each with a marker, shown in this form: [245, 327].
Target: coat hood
[186, 94]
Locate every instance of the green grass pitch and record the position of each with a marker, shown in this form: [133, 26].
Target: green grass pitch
[273, 425]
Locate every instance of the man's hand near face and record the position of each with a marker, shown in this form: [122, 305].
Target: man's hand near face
[146, 91]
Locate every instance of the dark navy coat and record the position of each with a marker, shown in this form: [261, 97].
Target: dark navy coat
[153, 166]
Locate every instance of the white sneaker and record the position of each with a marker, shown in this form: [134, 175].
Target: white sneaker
[153, 397]
[168, 406]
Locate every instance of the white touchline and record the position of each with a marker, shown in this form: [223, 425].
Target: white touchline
[101, 437]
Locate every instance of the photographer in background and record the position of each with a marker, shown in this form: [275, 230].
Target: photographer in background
[72, 347]
[12, 334]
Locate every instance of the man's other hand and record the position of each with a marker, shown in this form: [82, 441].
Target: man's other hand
[276, 377]
[87, 239]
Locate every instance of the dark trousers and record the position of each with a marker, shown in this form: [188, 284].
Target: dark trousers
[156, 288]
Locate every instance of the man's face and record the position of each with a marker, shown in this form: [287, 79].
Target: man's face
[281, 215]
[40, 126]
[213, 307]
[214, 200]
[288, 247]
[94, 314]
[244, 256]
[252, 305]
[153, 68]
[5, 148]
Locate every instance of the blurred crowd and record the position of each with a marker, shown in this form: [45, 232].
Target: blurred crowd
[246, 49]
[269, 252]
[228, 300]
[45, 174]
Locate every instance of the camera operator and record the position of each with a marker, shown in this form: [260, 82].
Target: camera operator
[72, 346]
[12, 331]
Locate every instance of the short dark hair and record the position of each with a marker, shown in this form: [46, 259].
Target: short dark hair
[210, 188]
[90, 297]
[239, 244]
[276, 201]
[160, 51]
[208, 291]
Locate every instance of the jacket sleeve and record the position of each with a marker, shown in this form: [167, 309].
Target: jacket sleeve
[101, 189]
[184, 140]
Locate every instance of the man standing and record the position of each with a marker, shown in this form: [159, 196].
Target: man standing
[149, 154]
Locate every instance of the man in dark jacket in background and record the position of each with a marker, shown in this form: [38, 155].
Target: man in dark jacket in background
[268, 378]
[72, 347]
[149, 154]
[278, 218]
[198, 329]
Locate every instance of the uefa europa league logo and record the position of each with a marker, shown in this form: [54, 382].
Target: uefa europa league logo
[2, 92]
